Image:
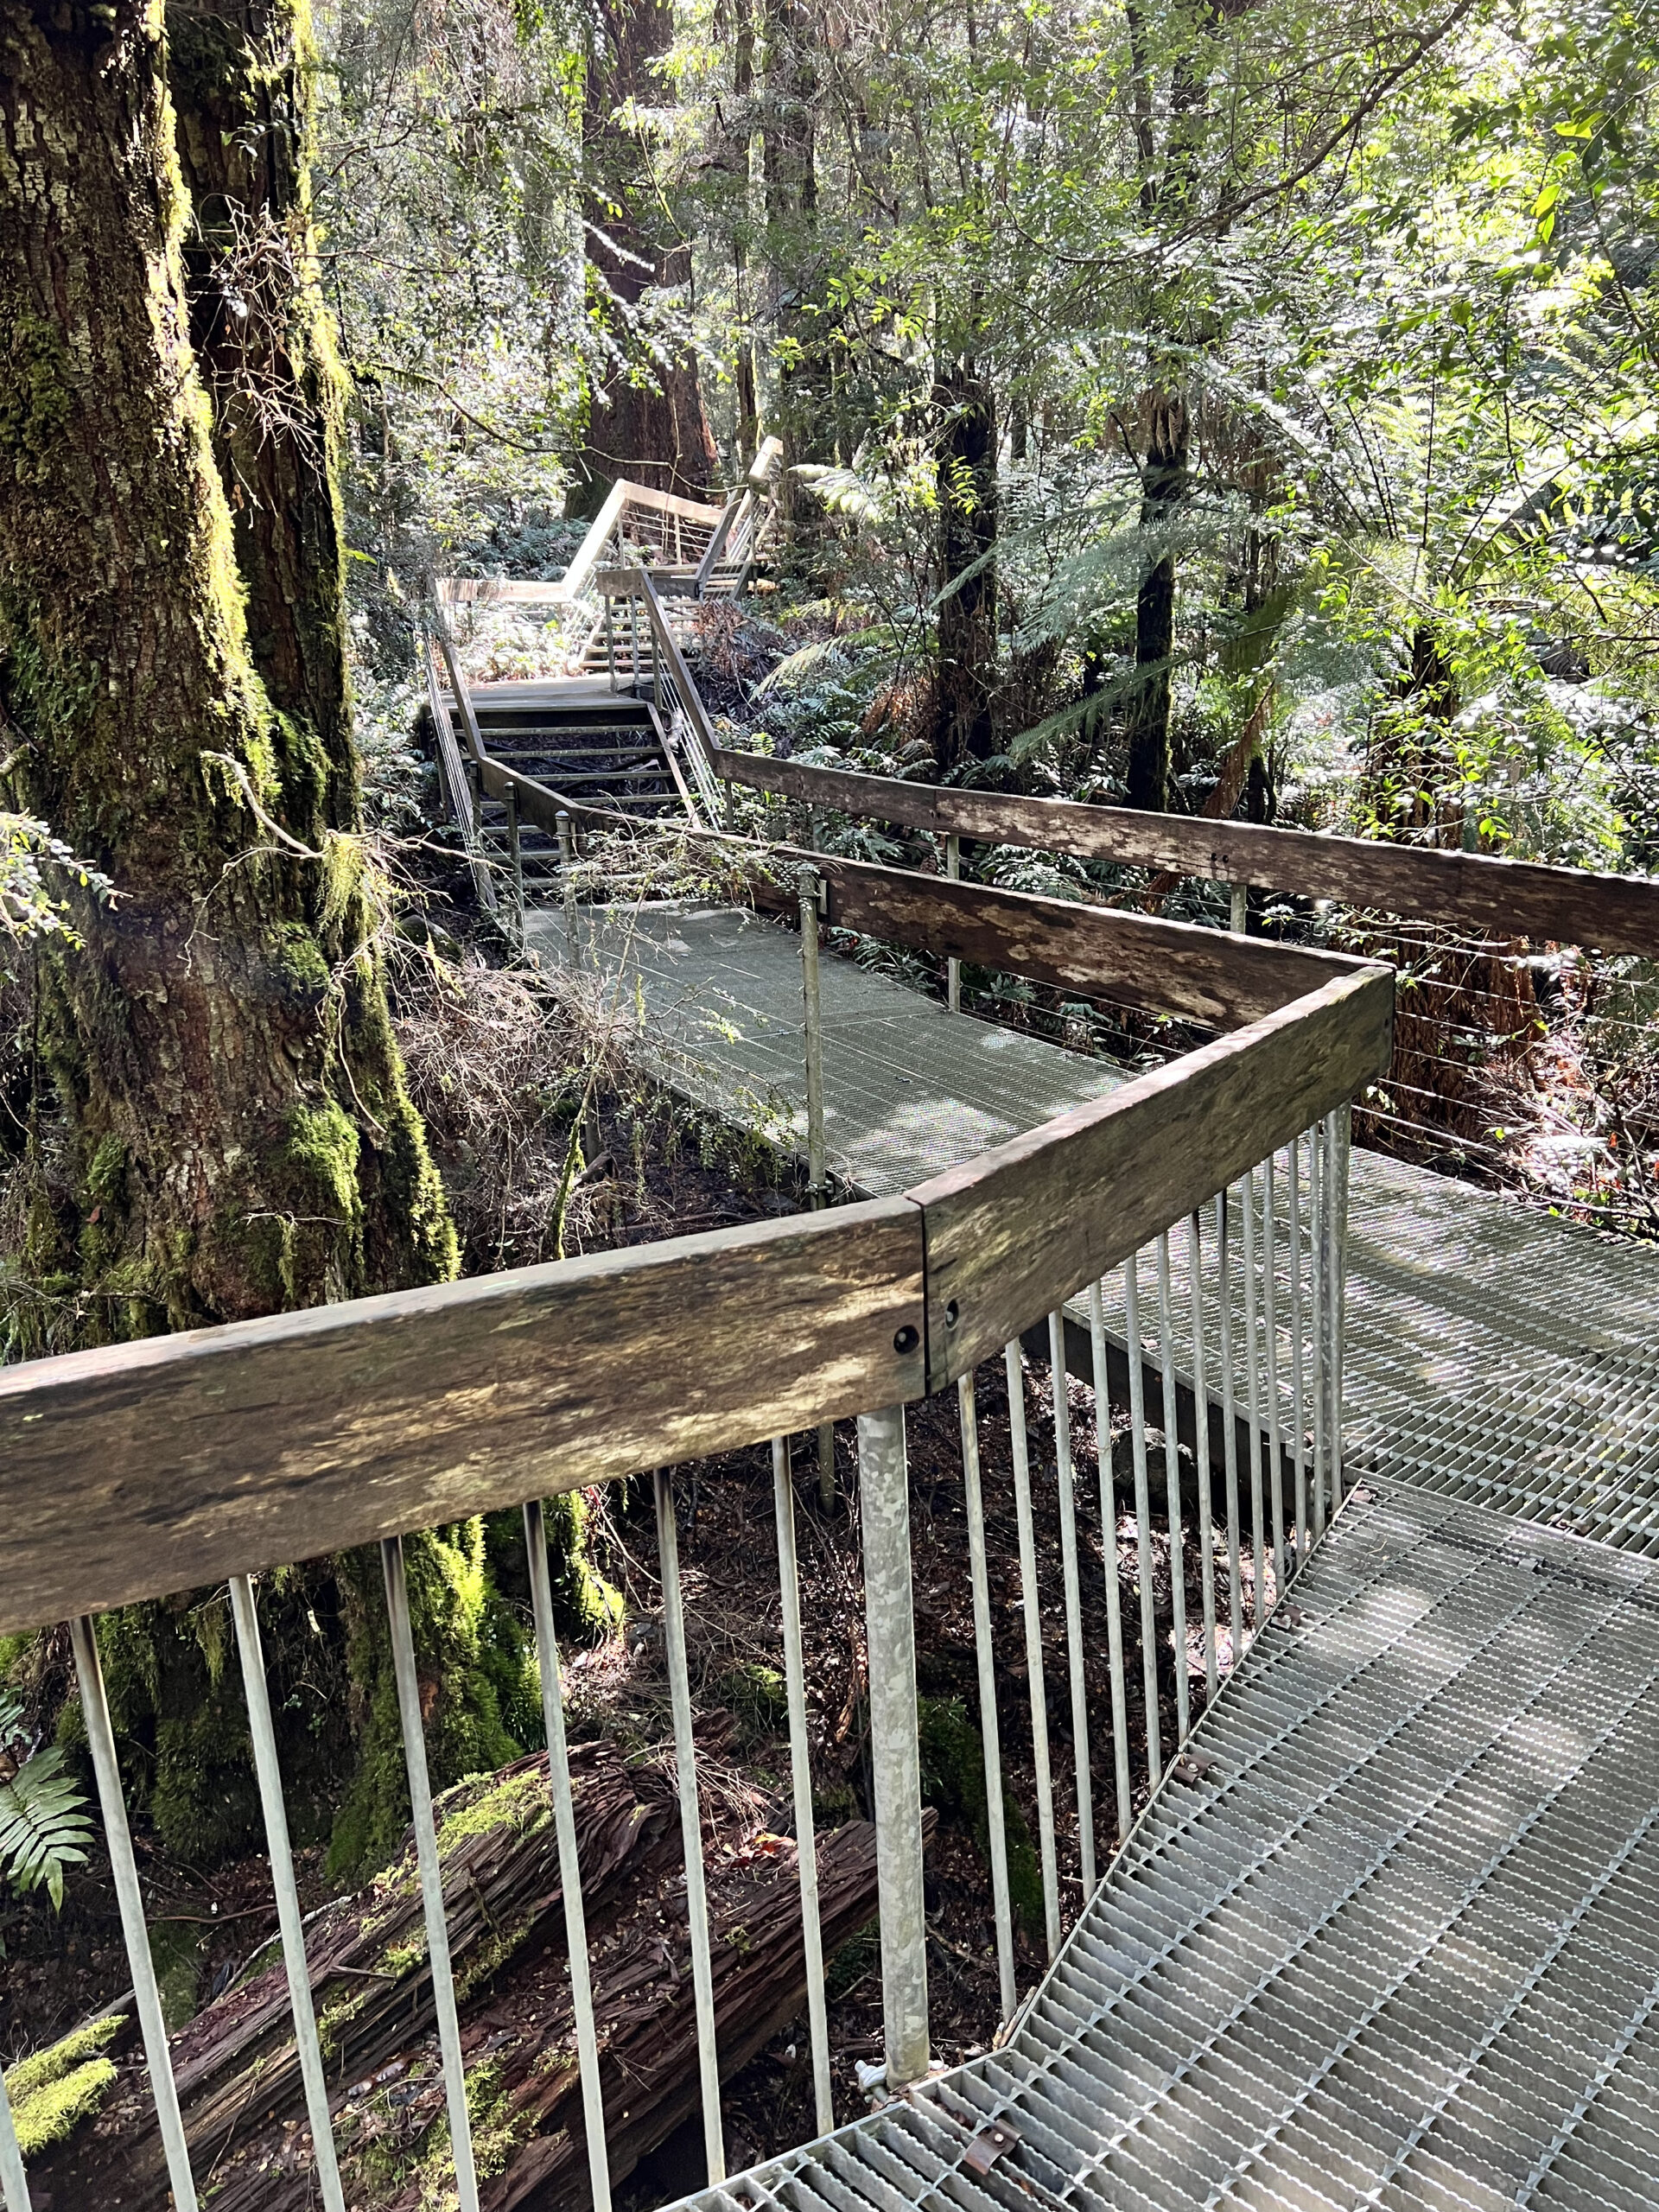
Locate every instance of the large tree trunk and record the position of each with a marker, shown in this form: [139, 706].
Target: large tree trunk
[647, 419]
[240, 72]
[222, 1121]
[1164, 484]
[967, 486]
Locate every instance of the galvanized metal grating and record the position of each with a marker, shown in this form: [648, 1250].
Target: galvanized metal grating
[1397, 1948]
[1492, 1353]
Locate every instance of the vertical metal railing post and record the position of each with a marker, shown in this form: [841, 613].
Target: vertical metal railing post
[426, 1853]
[516, 856]
[1201, 1443]
[1142, 1516]
[564, 1831]
[289, 1918]
[895, 1755]
[953, 968]
[1340, 1136]
[1031, 1606]
[685, 1762]
[568, 887]
[1229, 1425]
[1068, 1503]
[817, 1184]
[610, 641]
[800, 1768]
[985, 1665]
[1270, 1332]
[14, 2181]
[1318, 1299]
[1297, 1355]
[1173, 1494]
[100, 1739]
[1108, 1545]
[1252, 1401]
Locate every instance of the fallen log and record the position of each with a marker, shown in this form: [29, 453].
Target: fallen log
[238, 2069]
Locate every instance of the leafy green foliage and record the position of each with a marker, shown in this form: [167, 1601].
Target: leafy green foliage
[44, 1826]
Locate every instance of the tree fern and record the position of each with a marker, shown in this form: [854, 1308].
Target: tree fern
[43, 1822]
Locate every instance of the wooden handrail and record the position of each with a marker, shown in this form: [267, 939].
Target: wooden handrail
[1615, 913]
[140, 1469]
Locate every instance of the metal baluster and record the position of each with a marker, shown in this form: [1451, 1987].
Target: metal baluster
[14, 2182]
[564, 1830]
[1229, 1420]
[1298, 1357]
[1109, 1534]
[1320, 1301]
[1258, 1523]
[1142, 1519]
[1173, 1494]
[1201, 1439]
[895, 1756]
[1270, 1320]
[426, 1853]
[1031, 1605]
[516, 856]
[686, 1764]
[1339, 1127]
[100, 1739]
[989, 1735]
[800, 1769]
[1073, 1597]
[953, 968]
[289, 1918]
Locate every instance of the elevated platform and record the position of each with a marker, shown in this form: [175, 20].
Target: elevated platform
[1493, 1354]
[1396, 1949]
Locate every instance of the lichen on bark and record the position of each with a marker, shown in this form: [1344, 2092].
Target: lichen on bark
[174, 704]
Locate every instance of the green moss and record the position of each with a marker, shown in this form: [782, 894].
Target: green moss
[53, 2091]
[463, 1642]
[759, 1699]
[37, 397]
[953, 1779]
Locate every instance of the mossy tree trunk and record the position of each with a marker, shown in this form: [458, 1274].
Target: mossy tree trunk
[221, 1126]
[966, 471]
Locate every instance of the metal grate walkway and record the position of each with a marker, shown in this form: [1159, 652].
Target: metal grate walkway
[1493, 1354]
[1398, 1948]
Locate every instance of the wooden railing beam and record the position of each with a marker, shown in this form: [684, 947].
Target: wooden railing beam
[1471, 891]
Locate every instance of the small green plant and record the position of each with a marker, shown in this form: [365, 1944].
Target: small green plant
[43, 1822]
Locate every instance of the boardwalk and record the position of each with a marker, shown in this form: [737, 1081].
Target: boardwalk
[1494, 1354]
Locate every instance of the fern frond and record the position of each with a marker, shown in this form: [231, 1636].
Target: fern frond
[43, 1825]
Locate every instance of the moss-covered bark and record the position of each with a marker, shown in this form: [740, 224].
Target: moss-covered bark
[222, 1127]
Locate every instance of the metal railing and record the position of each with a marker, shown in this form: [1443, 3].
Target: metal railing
[1525, 1050]
[1159, 1207]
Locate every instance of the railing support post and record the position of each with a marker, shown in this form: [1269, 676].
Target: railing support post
[515, 852]
[566, 861]
[14, 2182]
[953, 968]
[1238, 916]
[817, 1191]
[895, 1756]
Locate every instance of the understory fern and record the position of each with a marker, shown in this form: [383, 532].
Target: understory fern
[44, 1826]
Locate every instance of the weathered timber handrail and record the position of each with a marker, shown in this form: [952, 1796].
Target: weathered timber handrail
[1009, 1235]
[1178, 968]
[140, 1469]
[1615, 913]
[160, 1466]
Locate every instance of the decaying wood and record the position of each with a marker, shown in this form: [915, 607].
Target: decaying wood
[142, 1468]
[1012, 1235]
[1473, 891]
[237, 2070]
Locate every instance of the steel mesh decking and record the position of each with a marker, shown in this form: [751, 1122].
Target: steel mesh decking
[1492, 1354]
[1397, 1948]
